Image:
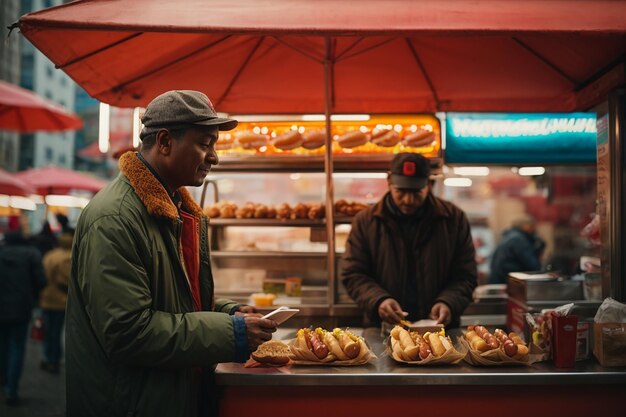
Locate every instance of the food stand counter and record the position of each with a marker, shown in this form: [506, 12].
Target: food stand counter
[386, 387]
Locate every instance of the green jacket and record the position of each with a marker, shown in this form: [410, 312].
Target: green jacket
[134, 344]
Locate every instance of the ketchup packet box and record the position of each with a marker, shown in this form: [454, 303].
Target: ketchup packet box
[564, 334]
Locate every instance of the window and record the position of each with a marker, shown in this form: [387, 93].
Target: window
[49, 154]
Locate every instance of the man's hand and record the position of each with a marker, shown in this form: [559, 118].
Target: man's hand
[259, 330]
[391, 311]
[441, 312]
[247, 311]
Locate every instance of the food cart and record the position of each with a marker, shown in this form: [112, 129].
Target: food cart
[392, 57]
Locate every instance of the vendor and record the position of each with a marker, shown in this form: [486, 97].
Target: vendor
[410, 256]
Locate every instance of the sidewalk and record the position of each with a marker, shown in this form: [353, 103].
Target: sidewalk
[43, 394]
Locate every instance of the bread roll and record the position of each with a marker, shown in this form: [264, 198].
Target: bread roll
[288, 140]
[273, 352]
[352, 139]
[249, 140]
[421, 137]
[385, 137]
[313, 139]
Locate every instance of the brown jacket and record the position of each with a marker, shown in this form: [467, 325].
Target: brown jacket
[57, 265]
[375, 263]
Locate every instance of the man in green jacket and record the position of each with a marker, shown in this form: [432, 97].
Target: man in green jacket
[411, 255]
[144, 331]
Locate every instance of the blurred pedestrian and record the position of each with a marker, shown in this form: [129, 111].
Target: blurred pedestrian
[519, 250]
[57, 265]
[45, 240]
[21, 279]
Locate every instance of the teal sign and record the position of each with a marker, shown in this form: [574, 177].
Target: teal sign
[520, 138]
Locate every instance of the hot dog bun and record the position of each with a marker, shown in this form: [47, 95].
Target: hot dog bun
[333, 344]
[424, 347]
[421, 137]
[348, 343]
[522, 349]
[272, 352]
[476, 342]
[435, 343]
[352, 139]
[320, 349]
[313, 139]
[288, 140]
[250, 140]
[411, 350]
[385, 137]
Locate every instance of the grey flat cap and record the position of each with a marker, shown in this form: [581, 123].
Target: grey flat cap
[182, 107]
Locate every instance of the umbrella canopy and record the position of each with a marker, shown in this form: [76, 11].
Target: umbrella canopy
[290, 56]
[119, 143]
[56, 180]
[24, 111]
[12, 186]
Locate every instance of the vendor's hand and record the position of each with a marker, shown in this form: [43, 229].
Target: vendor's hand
[258, 330]
[441, 312]
[391, 311]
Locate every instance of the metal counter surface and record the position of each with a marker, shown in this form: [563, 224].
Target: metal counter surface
[385, 371]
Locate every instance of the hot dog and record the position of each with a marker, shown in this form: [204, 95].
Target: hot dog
[324, 346]
[490, 339]
[352, 139]
[421, 137]
[332, 343]
[348, 343]
[522, 349]
[411, 350]
[506, 344]
[475, 341]
[249, 140]
[436, 343]
[288, 140]
[313, 139]
[424, 347]
[385, 137]
[318, 346]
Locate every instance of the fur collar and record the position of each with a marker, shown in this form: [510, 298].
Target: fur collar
[152, 193]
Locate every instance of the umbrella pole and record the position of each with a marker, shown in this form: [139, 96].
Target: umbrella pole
[328, 171]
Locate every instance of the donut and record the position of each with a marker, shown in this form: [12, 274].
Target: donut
[420, 138]
[249, 140]
[352, 139]
[291, 139]
[313, 139]
[385, 137]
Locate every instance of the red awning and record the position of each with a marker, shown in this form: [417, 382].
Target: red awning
[56, 180]
[268, 56]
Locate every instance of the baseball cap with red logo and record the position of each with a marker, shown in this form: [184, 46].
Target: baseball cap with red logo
[179, 108]
[409, 170]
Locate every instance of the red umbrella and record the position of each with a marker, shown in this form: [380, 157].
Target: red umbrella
[56, 180]
[302, 56]
[24, 111]
[12, 186]
[119, 142]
